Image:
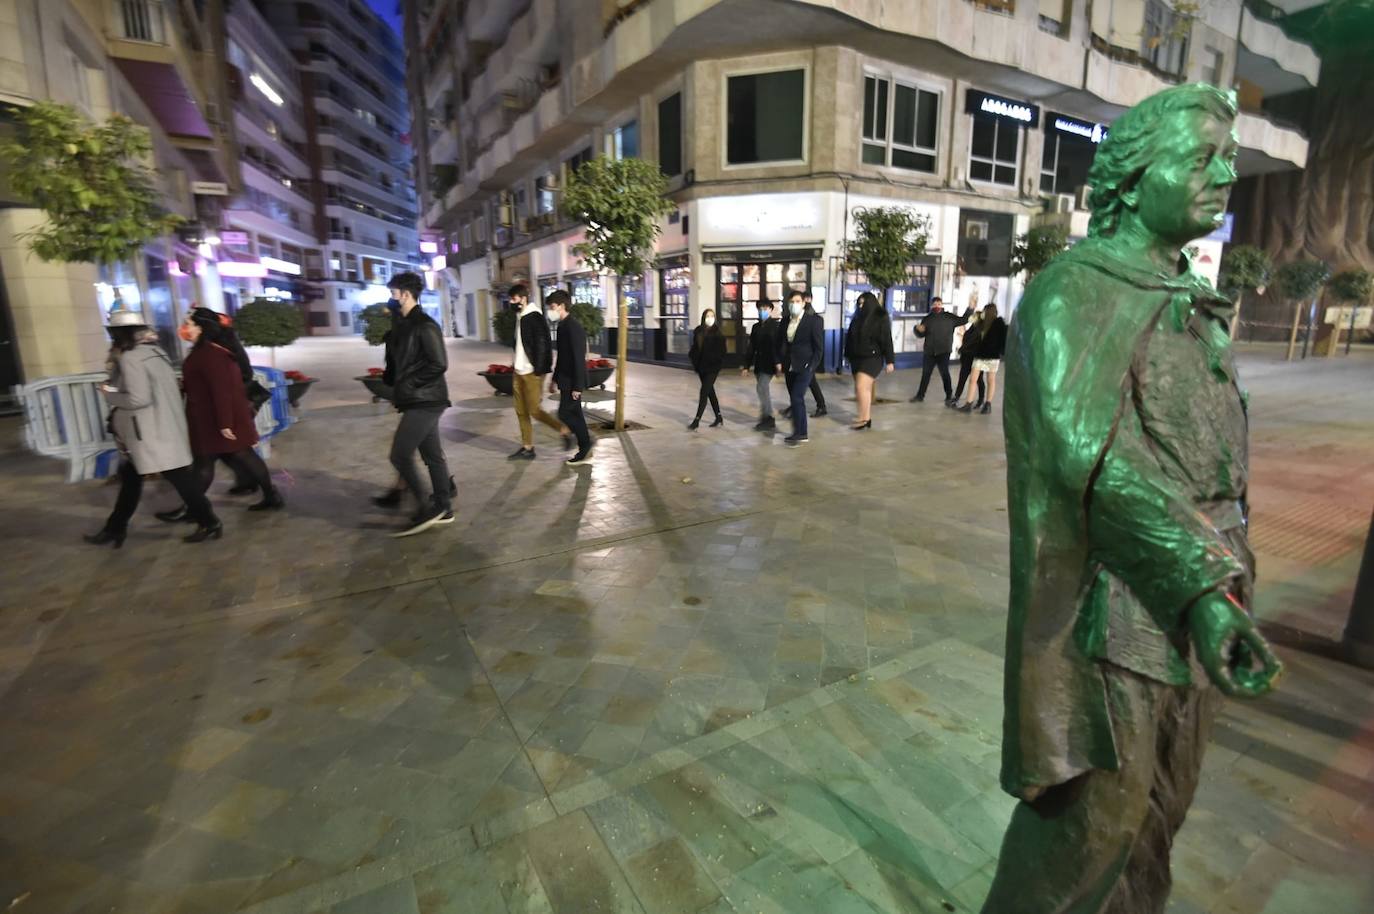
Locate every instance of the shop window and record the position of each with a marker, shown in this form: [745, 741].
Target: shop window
[670, 135]
[765, 117]
[994, 152]
[914, 116]
[624, 141]
[1064, 163]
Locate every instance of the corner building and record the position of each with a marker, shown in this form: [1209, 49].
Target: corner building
[776, 119]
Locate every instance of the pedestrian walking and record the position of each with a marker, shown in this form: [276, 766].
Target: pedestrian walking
[392, 497]
[420, 393]
[149, 426]
[868, 346]
[707, 355]
[761, 356]
[987, 357]
[967, 344]
[533, 360]
[815, 386]
[937, 329]
[802, 342]
[257, 396]
[219, 416]
[569, 377]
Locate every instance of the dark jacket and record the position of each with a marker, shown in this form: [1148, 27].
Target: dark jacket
[418, 362]
[969, 345]
[215, 400]
[534, 339]
[571, 371]
[939, 332]
[762, 353]
[707, 354]
[870, 334]
[806, 351]
[992, 343]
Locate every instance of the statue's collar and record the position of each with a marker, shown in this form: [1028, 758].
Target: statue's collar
[1101, 254]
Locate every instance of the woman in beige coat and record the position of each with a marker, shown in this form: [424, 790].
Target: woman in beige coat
[149, 425]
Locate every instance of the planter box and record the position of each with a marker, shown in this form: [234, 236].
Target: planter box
[503, 383]
[597, 377]
[377, 387]
[297, 389]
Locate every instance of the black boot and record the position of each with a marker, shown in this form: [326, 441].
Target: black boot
[966, 408]
[106, 535]
[987, 408]
[174, 516]
[719, 421]
[694, 424]
[271, 501]
[212, 532]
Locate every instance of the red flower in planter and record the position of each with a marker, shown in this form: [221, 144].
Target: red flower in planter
[299, 377]
[376, 372]
[598, 363]
[494, 368]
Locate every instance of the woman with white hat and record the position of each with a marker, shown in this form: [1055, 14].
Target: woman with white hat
[149, 425]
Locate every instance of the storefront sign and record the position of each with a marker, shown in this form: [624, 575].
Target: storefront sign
[1010, 109]
[762, 218]
[770, 255]
[672, 261]
[210, 188]
[237, 239]
[1088, 130]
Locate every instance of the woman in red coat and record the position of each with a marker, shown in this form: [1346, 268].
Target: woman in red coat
[218, 414]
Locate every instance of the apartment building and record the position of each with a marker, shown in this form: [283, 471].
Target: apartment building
[776, 119]
[160, 64]
[356, 114]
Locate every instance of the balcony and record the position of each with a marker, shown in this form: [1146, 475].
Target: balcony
[518, 61]
[1270, 59]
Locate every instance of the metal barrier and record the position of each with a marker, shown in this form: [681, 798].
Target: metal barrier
[64, 417]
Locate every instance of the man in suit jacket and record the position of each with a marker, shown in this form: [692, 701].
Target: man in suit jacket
[570, 375]
[803, 347]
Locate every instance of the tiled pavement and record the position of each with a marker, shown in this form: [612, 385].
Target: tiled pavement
[709, 675]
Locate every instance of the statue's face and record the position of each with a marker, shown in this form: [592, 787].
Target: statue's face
[1182, 195]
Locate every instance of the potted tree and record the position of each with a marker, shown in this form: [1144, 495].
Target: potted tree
[498, 375]
[1033, 251]
[886, 241]
[376, 321]
[264, 322]
[1355, 287]
[620, 202]
[1244, 268]
[90, 180]
[1299, 282]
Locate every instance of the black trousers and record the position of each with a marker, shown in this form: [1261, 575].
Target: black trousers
[708, 392]
[929, 364]
[816, 390]
[570, 414]
[965, 369]
[246, 464]
[419, 431]
[183, 479]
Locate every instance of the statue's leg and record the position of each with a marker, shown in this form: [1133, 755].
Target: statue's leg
[1184, 728]
[1065, 852]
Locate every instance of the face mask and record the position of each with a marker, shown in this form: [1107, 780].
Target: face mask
[764, 314]
[553, 316]
[710, 321]
[185, 333]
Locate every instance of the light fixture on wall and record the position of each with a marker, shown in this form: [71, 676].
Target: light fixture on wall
[262, 86]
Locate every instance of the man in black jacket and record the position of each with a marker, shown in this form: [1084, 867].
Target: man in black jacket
[816, 393]
[802, 343]
[762, 356]
[420, 392]
[570, 375]
[937, 328]
[533, 360]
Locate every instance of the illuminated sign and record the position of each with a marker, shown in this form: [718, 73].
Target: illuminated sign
[281, 266]
[238, 269]
[1009, 109]
[429, 247]
[440, 262]
[1088, 130]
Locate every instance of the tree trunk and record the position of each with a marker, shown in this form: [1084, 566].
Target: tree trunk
[621, 348]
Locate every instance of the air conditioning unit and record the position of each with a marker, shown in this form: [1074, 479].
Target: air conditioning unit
[1084, 193]
[1063, 203]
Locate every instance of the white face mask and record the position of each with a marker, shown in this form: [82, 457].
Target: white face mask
[553, 315]
[710, 321]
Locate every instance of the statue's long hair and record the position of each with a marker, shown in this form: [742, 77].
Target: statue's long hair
[1135, 139]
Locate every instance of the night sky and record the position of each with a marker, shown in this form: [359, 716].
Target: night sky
[390, 10]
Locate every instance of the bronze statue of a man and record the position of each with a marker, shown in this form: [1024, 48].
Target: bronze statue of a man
[1130, 570]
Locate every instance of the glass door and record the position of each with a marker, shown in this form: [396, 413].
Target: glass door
[675, 284]
[631, 289]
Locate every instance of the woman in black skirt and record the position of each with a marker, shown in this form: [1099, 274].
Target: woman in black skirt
[868, 346]
[707, 355]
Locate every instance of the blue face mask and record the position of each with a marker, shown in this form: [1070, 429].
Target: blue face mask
[764, 314]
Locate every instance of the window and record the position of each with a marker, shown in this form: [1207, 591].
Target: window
[1211, 67]
[340, 294]
[994, 151]
[319, 318]
[914, 114]
[670, 135]
[343, 318]
[985, 243]
[624, 141]
[545, 198]
[765, 117]
[1163, 43]
[1065, 163]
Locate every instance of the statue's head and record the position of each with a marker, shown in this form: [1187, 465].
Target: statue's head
[1167, 163]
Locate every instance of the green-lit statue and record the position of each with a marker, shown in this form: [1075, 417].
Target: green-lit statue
[1130, 569]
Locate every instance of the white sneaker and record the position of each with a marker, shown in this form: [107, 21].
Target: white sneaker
[422, 522]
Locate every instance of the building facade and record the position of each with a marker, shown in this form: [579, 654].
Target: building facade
[161, 65]
[354, 114]
[981, 117]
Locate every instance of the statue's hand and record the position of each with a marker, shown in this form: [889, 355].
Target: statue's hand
[1227, 644]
